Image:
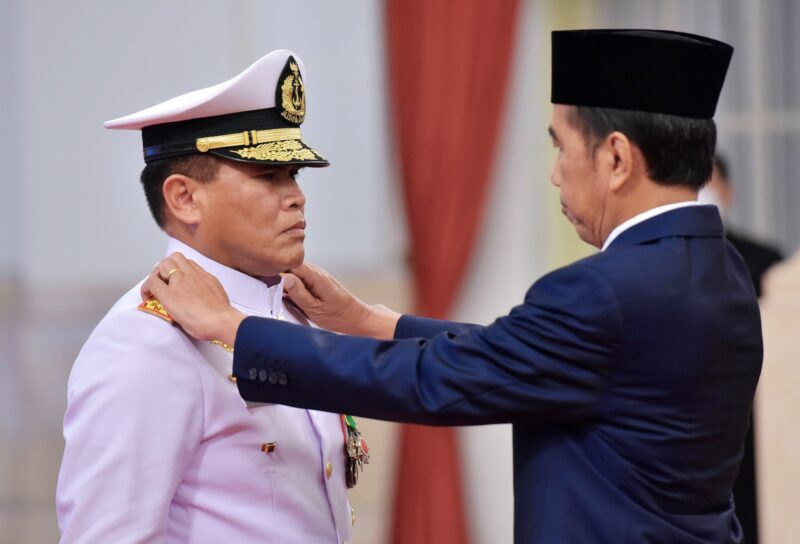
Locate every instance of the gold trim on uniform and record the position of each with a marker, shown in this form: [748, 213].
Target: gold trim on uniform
[223, 345]
[251, 137]
[293, 96]
[290, 150]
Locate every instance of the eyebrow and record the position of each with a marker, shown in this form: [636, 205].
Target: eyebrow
[275, 167]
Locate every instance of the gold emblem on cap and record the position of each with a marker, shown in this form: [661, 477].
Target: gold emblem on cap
[289, 150]
[293, 95]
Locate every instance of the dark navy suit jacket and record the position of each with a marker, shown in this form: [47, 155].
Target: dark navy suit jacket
[628, 377]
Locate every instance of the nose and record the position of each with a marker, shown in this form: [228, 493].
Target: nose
[293, 197]
[553, 178]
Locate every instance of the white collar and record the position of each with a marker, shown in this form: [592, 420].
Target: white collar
[644, 216]
[243, 290]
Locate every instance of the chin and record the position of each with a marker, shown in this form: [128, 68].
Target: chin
[585, 235]
[273, 264]
[294, 260]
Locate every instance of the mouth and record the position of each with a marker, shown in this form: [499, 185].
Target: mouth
[298, 228]
[565, 212]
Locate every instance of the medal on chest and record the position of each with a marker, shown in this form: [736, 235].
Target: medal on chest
[355, 450]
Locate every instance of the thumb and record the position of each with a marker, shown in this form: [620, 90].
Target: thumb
[289, 281]
[296, 290]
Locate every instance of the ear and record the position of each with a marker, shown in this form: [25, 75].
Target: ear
[621, 154]
[181, 195]
[729, 194]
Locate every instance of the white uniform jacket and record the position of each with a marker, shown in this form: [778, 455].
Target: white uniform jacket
[160, 447]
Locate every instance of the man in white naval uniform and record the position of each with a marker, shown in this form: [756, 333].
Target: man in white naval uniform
[160, 446]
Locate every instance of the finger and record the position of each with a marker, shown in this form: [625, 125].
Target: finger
[156, 287]
[194, 266]
[208, 279]
[314, 269]
[195, 272]
[199, 271]
[307, 274]
[182, 262]
[166, 267]
[297, 292]
[145, 291]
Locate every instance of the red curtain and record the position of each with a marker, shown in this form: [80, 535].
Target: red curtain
[449, 64]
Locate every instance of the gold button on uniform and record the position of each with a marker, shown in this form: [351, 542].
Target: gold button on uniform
[353, 516]
[269, 447]
[328, 469]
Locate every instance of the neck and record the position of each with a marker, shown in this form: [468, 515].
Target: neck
[652, 196]
[187, 235]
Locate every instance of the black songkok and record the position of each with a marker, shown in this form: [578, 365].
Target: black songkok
[644, 70]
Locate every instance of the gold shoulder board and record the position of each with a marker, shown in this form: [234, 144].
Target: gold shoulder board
[153, 306]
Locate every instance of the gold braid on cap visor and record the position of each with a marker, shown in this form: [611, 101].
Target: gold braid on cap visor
[248, 137]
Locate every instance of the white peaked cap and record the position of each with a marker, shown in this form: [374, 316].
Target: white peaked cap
[253, 89]
[252, 117]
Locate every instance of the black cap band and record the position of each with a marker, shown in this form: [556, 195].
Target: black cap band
[242, 129]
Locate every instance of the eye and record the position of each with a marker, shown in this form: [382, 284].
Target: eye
[269, 175]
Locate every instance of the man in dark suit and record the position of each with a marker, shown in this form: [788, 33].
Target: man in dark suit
[758, 257]
[628, 376]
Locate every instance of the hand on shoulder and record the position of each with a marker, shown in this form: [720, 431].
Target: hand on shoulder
[330, 305]
[194, 299]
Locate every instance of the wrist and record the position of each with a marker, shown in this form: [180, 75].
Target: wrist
[227, 326]
[379, 322]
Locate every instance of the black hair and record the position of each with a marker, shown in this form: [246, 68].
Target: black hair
[678, 150]
[722, 167]
[203, 168]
